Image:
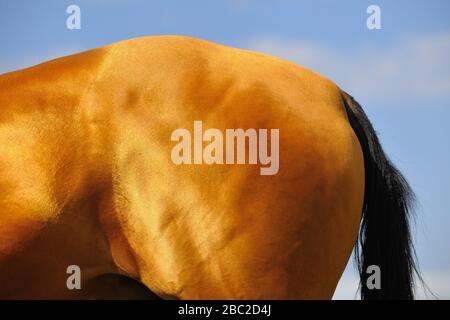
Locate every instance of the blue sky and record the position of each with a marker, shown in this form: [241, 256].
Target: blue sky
[400, 74]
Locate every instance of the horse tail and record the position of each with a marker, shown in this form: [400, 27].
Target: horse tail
[384, 238]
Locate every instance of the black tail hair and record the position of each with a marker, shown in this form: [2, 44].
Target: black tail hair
[384, 237]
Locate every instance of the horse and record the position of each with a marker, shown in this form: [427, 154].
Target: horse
[86, 179]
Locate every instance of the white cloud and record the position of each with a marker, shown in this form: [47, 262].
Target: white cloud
[437, 281]
[412, 70]
[30, 59]
[347, 288]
